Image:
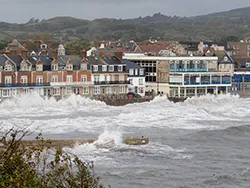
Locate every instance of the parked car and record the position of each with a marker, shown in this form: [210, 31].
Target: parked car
[132, 94]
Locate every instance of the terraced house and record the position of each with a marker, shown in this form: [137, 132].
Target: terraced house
[58, 75]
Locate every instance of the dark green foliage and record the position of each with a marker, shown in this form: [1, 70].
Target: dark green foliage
[208, 27]
[29, 166]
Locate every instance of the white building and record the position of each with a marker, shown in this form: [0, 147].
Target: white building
[183, 76]
[136, 77]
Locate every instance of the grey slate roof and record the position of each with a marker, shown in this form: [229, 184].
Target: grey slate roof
[17, 59]
[131, 65]
[113, 60]
[45, 59]
[75, 59]
[2, 60]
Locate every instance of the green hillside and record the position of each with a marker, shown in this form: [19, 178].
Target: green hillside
[206, 27]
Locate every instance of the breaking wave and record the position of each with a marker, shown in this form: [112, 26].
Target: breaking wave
[35, 100]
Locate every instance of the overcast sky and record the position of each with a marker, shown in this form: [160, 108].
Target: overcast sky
[20, 11]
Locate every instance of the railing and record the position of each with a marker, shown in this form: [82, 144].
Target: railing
[111, 82]
[206, 83]
[189, 70]
[70, 83]
[26, 85]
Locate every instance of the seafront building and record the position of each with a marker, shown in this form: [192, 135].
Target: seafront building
[54, 74]
[185, 76]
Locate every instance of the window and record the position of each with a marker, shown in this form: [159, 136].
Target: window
[121, 77]
[54, 78]
[39, 79]
[96, 78]
[104, 68]
[8, 80]
[85, 90]
[39, 68]
[95, 68]
[141, 72]
[141, 81]
[54, 67]
[110, 90]
[68, 91]
[131, 81]
[69, 67]
[136, 71]
[96, 90]
[24, 80]
[120, 68]
[84, 78]
[56, 91]
[83, 66]
[8, 68]
[131, 72]
[14, 92]
[111, 68]
[25, 91]
[24, 66]
[141, 90]
[122, 89]
[69, 78]
[6, 92]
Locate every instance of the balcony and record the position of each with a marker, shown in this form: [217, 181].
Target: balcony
[26, 85]
[206, 83]
[70, 83]
[189, 70]
[111, 82]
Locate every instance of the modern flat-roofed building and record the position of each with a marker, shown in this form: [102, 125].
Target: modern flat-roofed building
[184, 76]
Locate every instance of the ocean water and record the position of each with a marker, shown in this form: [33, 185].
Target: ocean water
[202, 142]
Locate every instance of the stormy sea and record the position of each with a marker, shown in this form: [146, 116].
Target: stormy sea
[202, 142]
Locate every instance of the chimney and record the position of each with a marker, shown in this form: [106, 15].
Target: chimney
[83, 53]
[54, 54]
[24, 54]
[37, 44]
[100, 54]
[24, 44]
[49, 43]
[118, 54]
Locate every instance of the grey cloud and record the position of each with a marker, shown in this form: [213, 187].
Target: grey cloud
[23, 10]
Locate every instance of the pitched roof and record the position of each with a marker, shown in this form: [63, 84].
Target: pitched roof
[131, 65]
[46, 60]
[3, 59]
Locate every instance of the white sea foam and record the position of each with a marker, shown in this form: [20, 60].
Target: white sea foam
[80, 114]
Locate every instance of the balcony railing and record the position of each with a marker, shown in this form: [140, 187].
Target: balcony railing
[206, 83]
[70, 83]
[26, 85]
[111, 82]
[189, 70]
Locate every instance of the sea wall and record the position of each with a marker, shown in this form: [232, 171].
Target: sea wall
[123, 100]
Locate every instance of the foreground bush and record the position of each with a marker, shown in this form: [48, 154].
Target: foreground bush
[35, 166]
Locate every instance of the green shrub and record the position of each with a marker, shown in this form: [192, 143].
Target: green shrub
[32, 166]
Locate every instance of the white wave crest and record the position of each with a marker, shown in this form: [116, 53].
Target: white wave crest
[34, 100]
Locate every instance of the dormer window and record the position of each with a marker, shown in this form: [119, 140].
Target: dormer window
[120, 68]
[54, 67]
[95, 68]
[24, 66]
[8, 67]
[111, 68]
[83, 66]
[69, 67]
[39, 67]
[104, 68]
